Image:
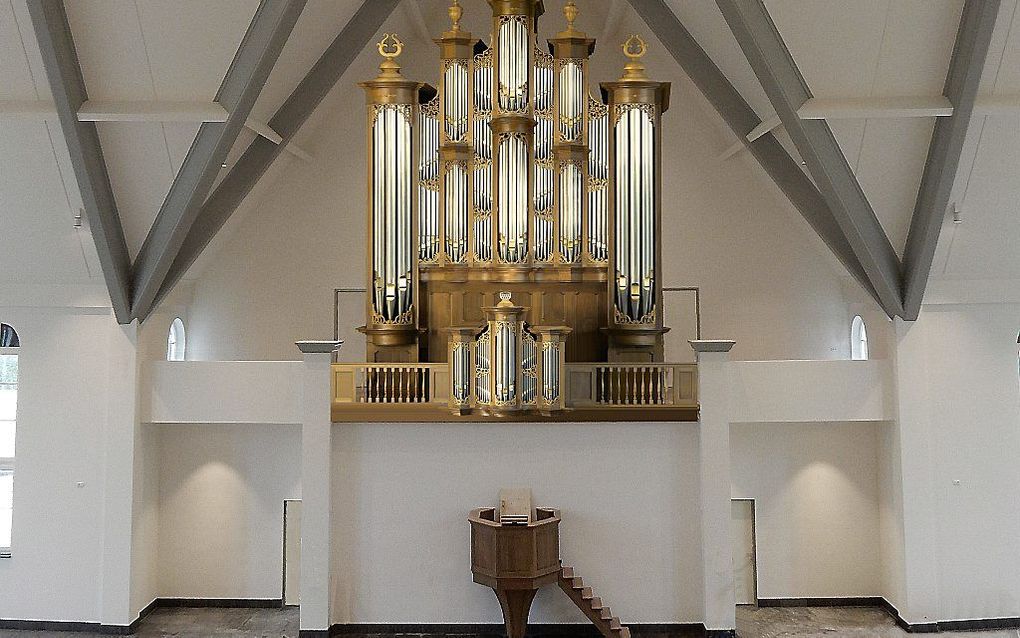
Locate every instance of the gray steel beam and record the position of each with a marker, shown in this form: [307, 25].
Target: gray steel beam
[742, 119]
[771, 61]
[49, 20]
[256, 160]
[264, 40]
[965, 68]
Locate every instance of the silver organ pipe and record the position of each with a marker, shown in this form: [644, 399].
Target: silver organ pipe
[544, 174]
[634, 267]
[456, 101]
[481, 173]
[505, 361]
[598, 180]
[428, 182]
[483, 367]
[392, 205]
[550, 371]
[461, 371]
[456, 202]
[455, 190]
[512, 197]
[571, 195]
[572, 94]
[512, 63]
[529, 367]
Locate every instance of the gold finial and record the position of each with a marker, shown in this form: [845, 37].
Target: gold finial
[570, 12]
[635, 49]
[505, 300]
[390, 47]
[456, 12]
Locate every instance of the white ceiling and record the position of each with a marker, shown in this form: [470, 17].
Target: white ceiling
[179, 51]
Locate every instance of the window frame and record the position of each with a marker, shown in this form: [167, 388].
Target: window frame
[180, 337]
[7, 463]
[859, 350]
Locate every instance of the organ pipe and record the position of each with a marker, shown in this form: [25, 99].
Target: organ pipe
[571, 49]
[392, 106]
[598, 181]
[482, 160]
[513, 125]
[428, 182]
[635, 108]
[456, 150]
[514, 168]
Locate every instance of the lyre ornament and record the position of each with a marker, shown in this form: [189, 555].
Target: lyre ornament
[390, 40]
[635, 49]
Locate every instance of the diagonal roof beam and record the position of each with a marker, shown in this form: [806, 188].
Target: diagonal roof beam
[49, 19]
[965, 67]
[287, 121]
[268, 32]
[742, 120]
[771, 61]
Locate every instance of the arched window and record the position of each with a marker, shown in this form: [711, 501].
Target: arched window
[9, 344]
[175, 341]
[858, 340]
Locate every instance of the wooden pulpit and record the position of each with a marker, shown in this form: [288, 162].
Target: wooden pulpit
[515, 554]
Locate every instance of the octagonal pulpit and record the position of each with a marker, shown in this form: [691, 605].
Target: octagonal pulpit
[515, 558]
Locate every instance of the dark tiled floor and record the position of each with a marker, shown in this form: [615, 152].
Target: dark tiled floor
[198, 623]
[775, 622]
[830, 622]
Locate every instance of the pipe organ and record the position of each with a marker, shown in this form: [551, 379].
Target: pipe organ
[513, 182]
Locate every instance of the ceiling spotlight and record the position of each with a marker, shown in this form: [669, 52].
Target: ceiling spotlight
[77, 218]
[957, 217]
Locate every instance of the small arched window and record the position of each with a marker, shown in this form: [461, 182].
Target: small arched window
[9, 348]
[175, 341]
[858, 340]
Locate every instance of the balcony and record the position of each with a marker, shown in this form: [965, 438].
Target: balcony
[421, 392]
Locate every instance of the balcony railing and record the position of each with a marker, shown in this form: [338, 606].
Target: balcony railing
[625, 385]
[390, 383]
[408, 392]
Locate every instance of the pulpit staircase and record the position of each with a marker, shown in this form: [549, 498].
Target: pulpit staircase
[597, 612]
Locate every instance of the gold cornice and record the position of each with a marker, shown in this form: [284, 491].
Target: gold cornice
[639, 92]
[513, 124]
[454, 151]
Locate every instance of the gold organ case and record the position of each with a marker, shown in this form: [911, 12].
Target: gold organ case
[514, 227]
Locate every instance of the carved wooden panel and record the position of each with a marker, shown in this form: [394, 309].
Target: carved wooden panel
[579, 305]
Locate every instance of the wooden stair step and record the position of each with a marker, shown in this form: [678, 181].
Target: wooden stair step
[593, 606]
